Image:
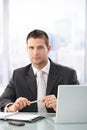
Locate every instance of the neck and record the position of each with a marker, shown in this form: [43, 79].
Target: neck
[40, 66]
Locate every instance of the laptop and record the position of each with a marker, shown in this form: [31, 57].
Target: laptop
[71, 104]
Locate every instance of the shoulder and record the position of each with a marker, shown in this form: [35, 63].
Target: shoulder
[22, 70]
[61, 67]
[66, 74]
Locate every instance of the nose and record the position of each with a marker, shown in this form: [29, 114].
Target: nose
[35, 51]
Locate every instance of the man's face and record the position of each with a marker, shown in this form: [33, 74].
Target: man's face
[38, 52]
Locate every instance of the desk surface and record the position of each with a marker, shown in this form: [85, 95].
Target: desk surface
[44, 124]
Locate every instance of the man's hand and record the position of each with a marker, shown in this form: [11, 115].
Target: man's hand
[50, 101]
[18, 104]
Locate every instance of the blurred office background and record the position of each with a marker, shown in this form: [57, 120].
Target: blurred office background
[63, 20]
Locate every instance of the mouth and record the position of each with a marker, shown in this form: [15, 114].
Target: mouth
[36, 58]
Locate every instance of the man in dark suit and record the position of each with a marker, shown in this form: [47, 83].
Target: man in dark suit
[23, 86]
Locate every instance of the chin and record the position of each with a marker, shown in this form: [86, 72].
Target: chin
[36, 62]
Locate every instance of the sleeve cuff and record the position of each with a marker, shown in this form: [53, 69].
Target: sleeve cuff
[6, 107]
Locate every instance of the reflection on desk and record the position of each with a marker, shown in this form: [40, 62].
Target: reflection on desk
[43, 124]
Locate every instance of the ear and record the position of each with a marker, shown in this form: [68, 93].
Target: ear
[49, 48]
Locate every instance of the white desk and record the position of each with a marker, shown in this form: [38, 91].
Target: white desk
[43, 124]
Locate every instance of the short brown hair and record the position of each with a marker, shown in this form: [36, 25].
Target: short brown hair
[38, 34]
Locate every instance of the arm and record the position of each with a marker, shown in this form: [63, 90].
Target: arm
[8, 96]
[8, 101]
[73, 78]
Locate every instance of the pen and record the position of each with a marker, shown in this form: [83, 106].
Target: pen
[34, 101]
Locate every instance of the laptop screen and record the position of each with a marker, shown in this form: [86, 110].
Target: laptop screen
[71, 104]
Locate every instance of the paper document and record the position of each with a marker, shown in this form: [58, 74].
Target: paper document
[4, 115]
[21, 116]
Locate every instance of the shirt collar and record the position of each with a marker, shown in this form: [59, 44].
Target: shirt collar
[44, 69]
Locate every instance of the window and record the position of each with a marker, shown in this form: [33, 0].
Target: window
[1, 36]
[63, 20]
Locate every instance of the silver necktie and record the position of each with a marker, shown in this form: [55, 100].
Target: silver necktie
[41, 91]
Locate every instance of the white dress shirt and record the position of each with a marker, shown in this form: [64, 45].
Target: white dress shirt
[45, 72]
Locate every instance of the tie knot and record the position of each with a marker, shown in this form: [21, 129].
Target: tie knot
[39, 74]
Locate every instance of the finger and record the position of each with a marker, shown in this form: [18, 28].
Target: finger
[48, 97]
[50, 101]
[26, 102]
[22, 102]
[45, 98]
[19, 104]
[14, 107]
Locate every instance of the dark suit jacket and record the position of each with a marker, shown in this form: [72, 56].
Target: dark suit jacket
[23, 84]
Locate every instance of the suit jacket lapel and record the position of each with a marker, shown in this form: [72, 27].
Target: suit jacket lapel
[53, 78]
[32, 81]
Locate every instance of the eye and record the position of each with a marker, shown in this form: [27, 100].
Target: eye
[30, 48]
[41, 47]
